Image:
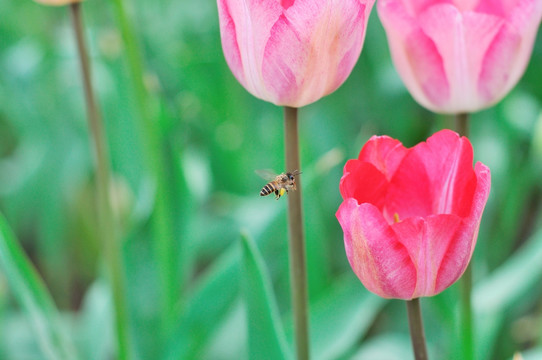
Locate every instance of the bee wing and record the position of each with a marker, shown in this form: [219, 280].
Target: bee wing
[266, 174]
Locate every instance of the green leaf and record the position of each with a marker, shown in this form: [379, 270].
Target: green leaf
[342, 317]
[266, 339]
[510, 284]
[385, 347]
[33, 297]
[208, 304]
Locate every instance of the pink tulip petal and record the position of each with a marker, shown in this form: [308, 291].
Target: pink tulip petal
[292, 71]
[363, 182]
[428, 242]
[384, 153]
[460, 55]
[414, 54]
[253, 20]
[508, 55]
[284, 56]
[380, 261]
[498, 65]
[462, 39]
[228, 35]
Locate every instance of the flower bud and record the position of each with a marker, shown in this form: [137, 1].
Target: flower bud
[460, 56]
[292, 52]
[410, 216]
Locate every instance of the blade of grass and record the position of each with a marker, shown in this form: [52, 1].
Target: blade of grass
[192, 325]
[33, 296]
[151, 135]
[266, 338]
[509, 286]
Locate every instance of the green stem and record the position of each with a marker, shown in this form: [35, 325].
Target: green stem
[467, 331]
[298, 272]
[106, 222]
[149, 130]
[415, 325]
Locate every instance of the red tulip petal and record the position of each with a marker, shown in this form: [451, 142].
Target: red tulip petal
[436, 177]
[460, 251]
[448, 160]
[409, 191]
[384, 153]
[363, 182]
[380, 261]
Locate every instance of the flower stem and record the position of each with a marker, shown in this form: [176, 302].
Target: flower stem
[298, 272]
[106, 223]
[415, 325]
[466, 331]
[462, 124]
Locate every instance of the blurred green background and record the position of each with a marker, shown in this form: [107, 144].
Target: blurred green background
[184, 126]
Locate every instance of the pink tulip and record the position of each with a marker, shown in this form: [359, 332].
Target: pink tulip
[292, 52]
[460, 56]
[410, 216]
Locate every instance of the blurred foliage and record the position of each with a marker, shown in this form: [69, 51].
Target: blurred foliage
[213, 136]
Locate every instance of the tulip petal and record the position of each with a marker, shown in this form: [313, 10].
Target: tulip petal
[363, 182]
[291, 70]
[508, 55]
[428, 242]
[462, 39]
[384, 153]
[380, 261]
[245, 27]
[414, 54]
[228, 36]
[448, 160]
[436, 177]
[460, 251]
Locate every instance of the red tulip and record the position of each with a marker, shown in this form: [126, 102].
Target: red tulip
[458, 56]
[292, 52]
[410, 216]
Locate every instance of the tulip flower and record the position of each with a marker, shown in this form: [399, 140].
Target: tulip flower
[292, 52]
[460, 56]
[410, 216]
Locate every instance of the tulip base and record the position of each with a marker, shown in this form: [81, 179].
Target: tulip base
[298, 268]
[415, 326]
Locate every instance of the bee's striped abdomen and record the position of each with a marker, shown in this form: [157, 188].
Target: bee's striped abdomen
[268, 189]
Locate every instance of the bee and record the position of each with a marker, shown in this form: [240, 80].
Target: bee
[279, 184]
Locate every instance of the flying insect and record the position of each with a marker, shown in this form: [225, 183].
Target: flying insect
[279, 184]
